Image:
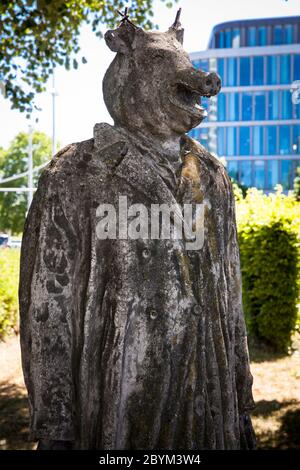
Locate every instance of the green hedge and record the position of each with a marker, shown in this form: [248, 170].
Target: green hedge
[9, 280]
[268, 229]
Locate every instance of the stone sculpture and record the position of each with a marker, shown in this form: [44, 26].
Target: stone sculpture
[136, 343]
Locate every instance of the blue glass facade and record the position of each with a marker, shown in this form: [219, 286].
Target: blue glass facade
[253, 122]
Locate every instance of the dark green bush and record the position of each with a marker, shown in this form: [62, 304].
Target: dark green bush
[269, 269]
[269, 249]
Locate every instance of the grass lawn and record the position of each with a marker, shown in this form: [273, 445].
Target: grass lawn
[276, 418]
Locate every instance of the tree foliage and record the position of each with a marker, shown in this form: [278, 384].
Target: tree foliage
[297, 184]
[14, 160]
[9, 280]
[37, 35]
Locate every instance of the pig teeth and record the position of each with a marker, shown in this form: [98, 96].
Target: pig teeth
[204, 112]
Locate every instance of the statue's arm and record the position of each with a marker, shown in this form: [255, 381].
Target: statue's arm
[46, 313]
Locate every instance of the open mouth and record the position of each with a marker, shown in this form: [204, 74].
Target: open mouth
[185, 97]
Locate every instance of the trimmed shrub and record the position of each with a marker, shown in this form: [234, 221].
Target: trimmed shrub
[9, 280]
[269, 247]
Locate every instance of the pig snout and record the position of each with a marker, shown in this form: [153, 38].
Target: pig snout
[203, 83]
[210, 84]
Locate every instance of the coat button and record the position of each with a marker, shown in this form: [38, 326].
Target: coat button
[152, 313]
[169, 245]
[146, 253]
[196, 310]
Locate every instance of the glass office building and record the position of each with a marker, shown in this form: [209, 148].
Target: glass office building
[253, 122]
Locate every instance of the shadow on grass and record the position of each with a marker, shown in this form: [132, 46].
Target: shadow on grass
[266, 408]
[259, 351]
[13, 418]
[290, 427]
[287, 436]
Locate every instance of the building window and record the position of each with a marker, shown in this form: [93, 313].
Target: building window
[296, 139]
[258, 140]
[273, 177]
[204, 65]
[286, 105]
[221, 141]
[245, 173]
[297, 67]
[288, 34]
[228, 38]
[220, 69]
[286, 174]
[232, 168]
[236, 38]
[259, 106]
[196, 64]
[221, 107]
[244, 140]
[203, 136]
[220, 40]
[231, 71]
[251, 37]
[262, 36]
[205, 103]
[193, 133]
[284, 140]
[285, 69]
[244, 71]
[271, 140]
[259, 174]
[272, 70]
[231, 141]
[233, 107]
[246, 106]
[274, 104]
[277, 35]
[258, 70]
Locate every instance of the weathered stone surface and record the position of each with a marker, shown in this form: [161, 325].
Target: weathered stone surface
[136, 344]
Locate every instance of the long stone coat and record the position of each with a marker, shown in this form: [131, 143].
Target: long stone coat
[131, 344]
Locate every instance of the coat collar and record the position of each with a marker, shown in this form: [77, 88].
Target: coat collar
[137, 167]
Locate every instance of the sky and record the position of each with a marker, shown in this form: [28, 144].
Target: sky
[79, 101]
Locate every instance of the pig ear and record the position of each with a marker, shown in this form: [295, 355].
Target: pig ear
[179, 33]
[122, 38]
[176, 28]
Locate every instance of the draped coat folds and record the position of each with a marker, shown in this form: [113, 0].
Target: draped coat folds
[133, 344]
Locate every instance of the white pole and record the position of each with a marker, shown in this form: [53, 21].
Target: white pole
[30, 169]
[17, 190]
[53, 115]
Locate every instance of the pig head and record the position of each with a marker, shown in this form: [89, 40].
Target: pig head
[151, 86]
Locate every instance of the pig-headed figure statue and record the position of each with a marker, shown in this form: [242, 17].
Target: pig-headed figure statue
[151, 87]
[136, 342]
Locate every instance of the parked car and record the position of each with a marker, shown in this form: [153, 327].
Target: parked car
[4, 240]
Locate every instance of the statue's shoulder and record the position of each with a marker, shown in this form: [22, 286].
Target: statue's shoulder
[206, 158]
[107, 144]
[94, 156]
[67, 159]
[191, 145]
[210, 167]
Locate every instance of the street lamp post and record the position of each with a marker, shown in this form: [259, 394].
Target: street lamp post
[54, 94]
[30, 169]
